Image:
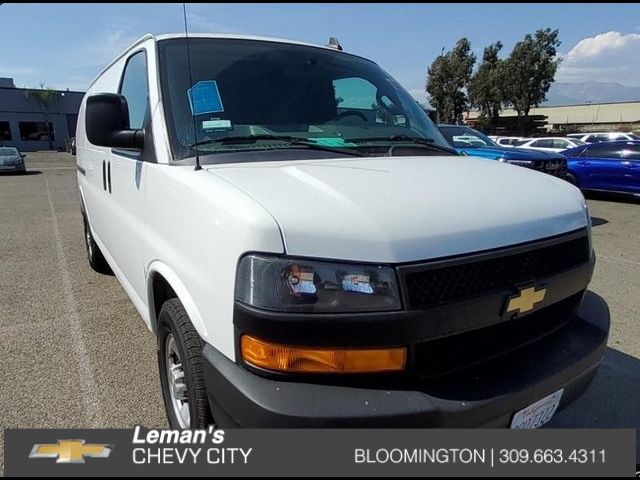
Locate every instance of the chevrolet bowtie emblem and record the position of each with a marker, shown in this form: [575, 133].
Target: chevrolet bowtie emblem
[525, 300]
[71, 451]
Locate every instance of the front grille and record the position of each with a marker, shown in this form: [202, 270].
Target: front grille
[464, 280]
[445, 355]
[557, 167]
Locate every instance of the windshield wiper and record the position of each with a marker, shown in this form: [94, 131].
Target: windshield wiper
[427, 142]
[298, 142]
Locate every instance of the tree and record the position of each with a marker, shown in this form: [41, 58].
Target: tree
[486, 87]
[447, 79]
[529, 72]
[46, 98]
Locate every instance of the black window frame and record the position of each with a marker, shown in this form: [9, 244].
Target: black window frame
[8, 129]
[130, 152]
[47, 125]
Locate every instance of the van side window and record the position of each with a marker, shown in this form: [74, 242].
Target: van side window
[135, 88]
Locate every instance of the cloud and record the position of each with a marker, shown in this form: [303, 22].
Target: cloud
[11, 72]
[200, 24]
[605, 57]
[419, 94]
[104, 48]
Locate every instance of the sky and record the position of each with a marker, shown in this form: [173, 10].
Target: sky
[66, 45]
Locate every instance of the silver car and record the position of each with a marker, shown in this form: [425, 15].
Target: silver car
[11, 160]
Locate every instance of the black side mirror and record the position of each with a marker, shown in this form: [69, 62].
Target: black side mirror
[107, 122]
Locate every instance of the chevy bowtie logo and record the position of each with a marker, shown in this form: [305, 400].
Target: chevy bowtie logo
[71, 451]
[525, 300]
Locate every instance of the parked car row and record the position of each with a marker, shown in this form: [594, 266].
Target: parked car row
[468, 141]
[558, 144]
[606, 161]
[597, 137]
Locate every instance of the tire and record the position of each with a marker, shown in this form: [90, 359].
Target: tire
[176, 335]
[94, 255]
[571, 178]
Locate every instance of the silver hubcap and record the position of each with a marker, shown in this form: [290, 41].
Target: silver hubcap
[176, 382]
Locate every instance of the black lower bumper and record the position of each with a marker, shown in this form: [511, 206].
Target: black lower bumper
[486, 395]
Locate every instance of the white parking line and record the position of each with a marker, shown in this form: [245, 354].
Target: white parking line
[88, 388]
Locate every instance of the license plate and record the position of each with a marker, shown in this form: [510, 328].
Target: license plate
[537, 414]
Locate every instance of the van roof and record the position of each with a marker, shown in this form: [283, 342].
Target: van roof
[169, 36]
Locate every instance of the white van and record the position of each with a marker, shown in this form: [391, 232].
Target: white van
[311, 252]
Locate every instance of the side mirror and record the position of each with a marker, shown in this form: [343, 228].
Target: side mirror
[107, 122]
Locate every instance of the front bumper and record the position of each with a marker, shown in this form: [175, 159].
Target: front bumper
[485, 395]
[16, 168]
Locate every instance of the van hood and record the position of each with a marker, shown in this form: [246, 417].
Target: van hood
[509, 153]
[402, 209]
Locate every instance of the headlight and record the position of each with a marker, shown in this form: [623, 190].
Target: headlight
[309, 286]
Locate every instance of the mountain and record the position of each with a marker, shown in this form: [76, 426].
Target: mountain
[593, 92]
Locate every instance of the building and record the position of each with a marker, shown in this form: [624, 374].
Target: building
[22, 119]
[589, 117]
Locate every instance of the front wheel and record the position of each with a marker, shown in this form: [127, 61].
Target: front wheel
[181, 372]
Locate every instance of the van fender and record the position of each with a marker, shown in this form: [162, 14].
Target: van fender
[158, 267]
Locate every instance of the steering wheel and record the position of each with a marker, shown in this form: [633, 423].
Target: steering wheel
[350, 113]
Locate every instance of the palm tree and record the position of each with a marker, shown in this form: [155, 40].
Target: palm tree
[46, 97]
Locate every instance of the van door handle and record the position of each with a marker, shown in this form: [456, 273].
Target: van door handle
[109, 175]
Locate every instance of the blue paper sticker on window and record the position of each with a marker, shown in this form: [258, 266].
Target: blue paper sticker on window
[204, 97]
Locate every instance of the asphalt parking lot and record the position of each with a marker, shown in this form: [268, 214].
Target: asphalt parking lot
[76, 354]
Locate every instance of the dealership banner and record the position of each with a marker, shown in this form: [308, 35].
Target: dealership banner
[321, 452]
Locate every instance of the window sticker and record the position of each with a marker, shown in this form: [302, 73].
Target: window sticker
[217, 124]
[204, 97]
[331, 142]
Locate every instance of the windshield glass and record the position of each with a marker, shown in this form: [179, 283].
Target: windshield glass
[7, 152]
[243, 88]
[465, 137]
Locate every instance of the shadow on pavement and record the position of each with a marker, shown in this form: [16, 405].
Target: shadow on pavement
[597, 221]
[612, 197]
[20, 174]
[612, 401]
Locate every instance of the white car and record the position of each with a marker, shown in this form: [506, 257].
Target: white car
[551, 144]
[309, 251]
[596, 137]
[509, 141]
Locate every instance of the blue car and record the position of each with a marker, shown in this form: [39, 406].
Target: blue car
[606, 166]
[468, 141]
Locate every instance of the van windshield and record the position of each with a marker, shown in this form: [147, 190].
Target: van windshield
[260, 90]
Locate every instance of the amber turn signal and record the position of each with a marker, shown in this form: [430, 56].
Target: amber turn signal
[294, 359]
